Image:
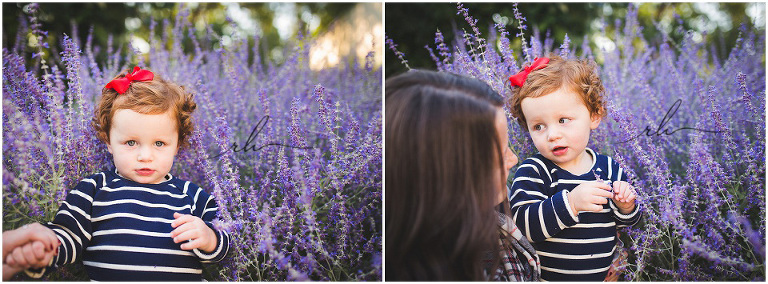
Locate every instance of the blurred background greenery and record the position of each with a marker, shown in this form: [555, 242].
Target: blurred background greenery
[412, 25]
[275, 24]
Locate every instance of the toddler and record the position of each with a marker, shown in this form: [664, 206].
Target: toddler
[135, 221]
[567, 199]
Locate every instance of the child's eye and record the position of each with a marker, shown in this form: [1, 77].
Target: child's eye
[538, 127]
[159, 143]
[130, 143]
[565, 120]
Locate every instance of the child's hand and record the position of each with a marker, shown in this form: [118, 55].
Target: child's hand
[30, 255]
[624, 196]
[589, 196]
[192, 228]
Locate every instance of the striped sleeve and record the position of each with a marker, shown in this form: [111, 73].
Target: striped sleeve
[206, 208]
[617, 173]
[72, 224]
[537, 211]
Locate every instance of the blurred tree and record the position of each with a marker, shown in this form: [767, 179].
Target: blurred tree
[412, 25]
[124, 20]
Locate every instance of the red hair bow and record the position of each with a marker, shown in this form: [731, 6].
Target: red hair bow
[519, 79]
[121, 84]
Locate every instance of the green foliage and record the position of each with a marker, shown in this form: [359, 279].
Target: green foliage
[410, 24]
[110, 21]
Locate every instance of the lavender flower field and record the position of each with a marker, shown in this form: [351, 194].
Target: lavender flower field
[687, 124]
[292, 155]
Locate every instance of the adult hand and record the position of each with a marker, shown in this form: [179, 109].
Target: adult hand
[30, 255]
[10, 271]
[29, 233]
[589, 196]
[193, 229]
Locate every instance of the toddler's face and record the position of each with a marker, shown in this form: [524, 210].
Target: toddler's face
[559, 124]
[143, 146]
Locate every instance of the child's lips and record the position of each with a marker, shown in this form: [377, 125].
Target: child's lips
[560, 150]
[145, 172]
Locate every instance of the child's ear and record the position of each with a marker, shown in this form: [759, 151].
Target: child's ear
[109, 148]
[595, 121]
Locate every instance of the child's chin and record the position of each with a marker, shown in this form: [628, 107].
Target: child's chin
[556, 158]
[559, 160]
[145, 179]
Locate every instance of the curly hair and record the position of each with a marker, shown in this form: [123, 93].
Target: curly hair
[147, 97]
[579, 76]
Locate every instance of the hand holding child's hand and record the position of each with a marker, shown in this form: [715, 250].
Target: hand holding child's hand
[589, 196]
[29, 233]
[623, 196]
[31, 255]
[192, 228]
[32, 245]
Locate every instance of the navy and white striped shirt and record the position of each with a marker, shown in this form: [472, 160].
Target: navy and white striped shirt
[121, 229]
[571, 247]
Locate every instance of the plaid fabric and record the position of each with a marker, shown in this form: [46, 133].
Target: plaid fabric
[511, 268]
[619, 263]
[519, 261]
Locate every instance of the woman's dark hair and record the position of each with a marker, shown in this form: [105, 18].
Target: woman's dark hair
[443, 162]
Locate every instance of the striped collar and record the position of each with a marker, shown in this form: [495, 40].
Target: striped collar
[168, 177]
[551, 166]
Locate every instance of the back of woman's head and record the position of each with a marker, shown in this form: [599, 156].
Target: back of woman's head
[442, 160]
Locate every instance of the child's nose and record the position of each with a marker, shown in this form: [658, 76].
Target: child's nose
[554, 133]
[145, 154]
